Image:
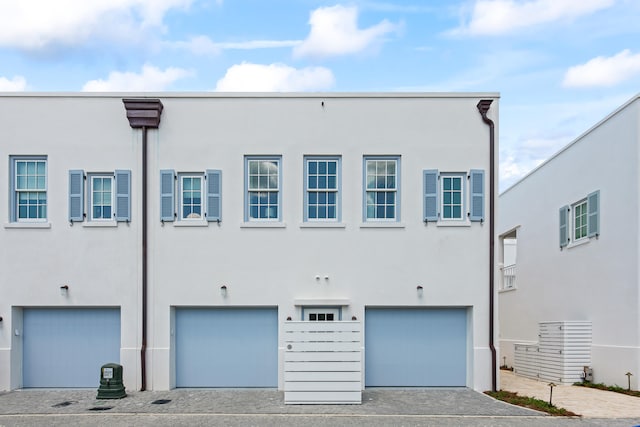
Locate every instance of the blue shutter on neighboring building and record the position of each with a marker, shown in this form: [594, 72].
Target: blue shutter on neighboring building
[214, 195]
[123, 195]
[564, 226]
[76, 195]
[593, 210]
[430, 181]
[167, 189]
[476, 212]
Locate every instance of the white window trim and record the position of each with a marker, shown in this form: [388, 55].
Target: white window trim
[337, 190]
[203, 207]
[396, 190]
[572, 220]
[13, 215]
[464, 219]
[89, 197]
[247, 190]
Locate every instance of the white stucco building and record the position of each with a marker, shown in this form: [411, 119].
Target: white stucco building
[176, 234]
[576, 223]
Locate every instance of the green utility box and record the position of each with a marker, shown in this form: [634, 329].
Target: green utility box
[111, 386]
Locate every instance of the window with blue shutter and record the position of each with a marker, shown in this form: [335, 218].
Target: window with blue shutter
[564, 226]
[76, 195]
[123, 195]
[430, 181]
[167, 188]
[214, 195]
[476, 211]
[593, 208]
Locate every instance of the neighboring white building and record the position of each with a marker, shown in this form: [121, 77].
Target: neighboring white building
[576, 222]
[259, 209]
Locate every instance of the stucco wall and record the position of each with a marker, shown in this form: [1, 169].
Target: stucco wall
[597, 280]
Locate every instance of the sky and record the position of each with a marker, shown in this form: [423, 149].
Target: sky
[560, 66]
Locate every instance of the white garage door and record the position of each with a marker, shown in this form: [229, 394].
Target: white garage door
[226, 347]
[65, 347]
[415, 347]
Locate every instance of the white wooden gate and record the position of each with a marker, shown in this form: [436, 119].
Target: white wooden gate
[323, 362]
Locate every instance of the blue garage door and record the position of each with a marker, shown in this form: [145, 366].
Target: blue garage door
[65, 347]
[414, 347]
[227, 347]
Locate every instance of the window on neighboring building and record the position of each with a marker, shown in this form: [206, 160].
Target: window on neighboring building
[199, 196]
[381, 188]
[101, 197]
[321, 314]
[29, 188]
[581, 220]
[108, 196]
[262, 188]
[322, 182]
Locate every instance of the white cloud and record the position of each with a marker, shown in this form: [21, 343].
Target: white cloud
[494, 17]
[150, 79]
[17, 84]
[247, 77]
[603, 71]
[334, 31]
[203, 45]
[38, 24]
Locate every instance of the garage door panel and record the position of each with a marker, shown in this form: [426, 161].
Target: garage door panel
[415, 347]
[67, 347]
[227, 347]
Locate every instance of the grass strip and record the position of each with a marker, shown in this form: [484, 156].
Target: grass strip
[531, 403]
[614, 388]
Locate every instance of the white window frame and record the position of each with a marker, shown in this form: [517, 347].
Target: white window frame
[574, 220]
[367, 190]
[321, 314]
[15, 191]
[336, 191]
[253, 178]
[463, 194]
[90, 194]
[181, 190]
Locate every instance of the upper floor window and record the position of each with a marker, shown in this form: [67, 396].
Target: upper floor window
[448, 197]
[101, 197]
[108, 196]
[381, 188]
[322, 188]
[191, 196]
[581, 220]
[452, 196]
[28, 188]
[199, 196]
[262, 184]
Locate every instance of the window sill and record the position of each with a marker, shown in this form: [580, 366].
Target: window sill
[453, 224]
[99, 224]
[579, 243]
[27, 225]
[265, 224]
[507, 289]
[382, 225]
[191, 223]
[320, 224]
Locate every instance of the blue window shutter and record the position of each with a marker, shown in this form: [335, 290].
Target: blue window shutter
[76, 195]
[430, 181]
[214, 195]
[564, 226]
[167, 189]
[593, 211]
[123, 195]
[476, 212]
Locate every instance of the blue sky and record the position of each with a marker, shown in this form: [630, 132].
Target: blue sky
[559, 65]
